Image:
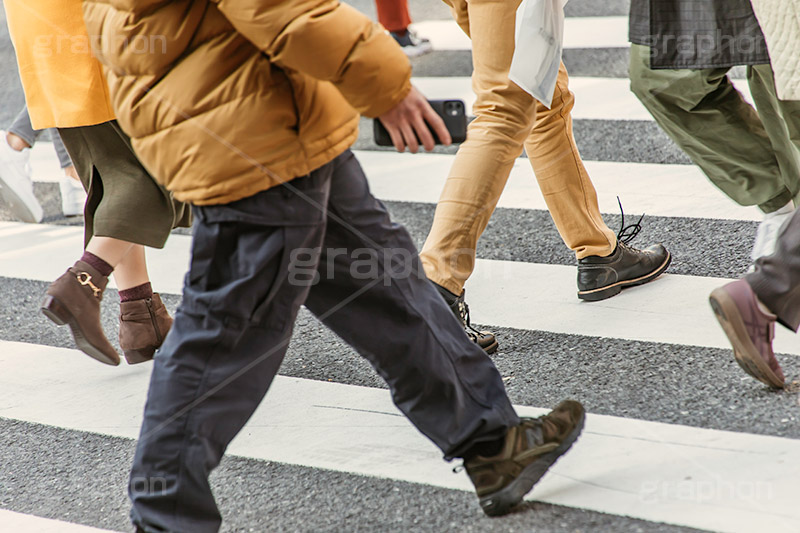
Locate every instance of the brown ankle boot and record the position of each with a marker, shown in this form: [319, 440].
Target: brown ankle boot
[143, 324]
[74, 299]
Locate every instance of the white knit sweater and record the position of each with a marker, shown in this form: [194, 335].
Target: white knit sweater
[780, 22]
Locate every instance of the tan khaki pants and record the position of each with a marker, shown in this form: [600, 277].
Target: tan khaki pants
[508, 119]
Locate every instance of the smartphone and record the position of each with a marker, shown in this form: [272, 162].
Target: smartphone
[453, 112]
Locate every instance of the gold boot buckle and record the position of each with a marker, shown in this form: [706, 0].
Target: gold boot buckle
[84, 278]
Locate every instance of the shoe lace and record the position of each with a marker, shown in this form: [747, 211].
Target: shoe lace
[463, 313]
[627, 233]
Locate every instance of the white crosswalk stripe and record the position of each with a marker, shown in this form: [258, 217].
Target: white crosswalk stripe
[595, 98]
[11, 521]
[502, 293]
[623, 465]
[579, 32]
[655, 189]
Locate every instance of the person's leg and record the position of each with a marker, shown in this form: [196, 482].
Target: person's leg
[747, 309]
[781, 120]
[562, 178]
[776, 279]
[64, 160]
[504, 116]
[605, 266]
[393, 15]
[229, 337]
[372, 292]
[21, 134]
[410, 329]
[693, 107]
[119, 221]
[73, 196]
[143, 319]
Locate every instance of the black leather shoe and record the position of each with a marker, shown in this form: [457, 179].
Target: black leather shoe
[603, 277]
[484, 339]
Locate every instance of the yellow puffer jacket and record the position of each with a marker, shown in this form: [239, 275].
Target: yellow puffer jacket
[226, 99]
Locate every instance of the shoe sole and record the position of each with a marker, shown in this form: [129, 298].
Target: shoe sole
[139, 356]
[17, 205]
[502, 501]
[745, 352]
[602, 293]
[60, 315]
[492, 348]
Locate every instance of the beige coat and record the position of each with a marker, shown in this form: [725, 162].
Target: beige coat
[224, 99]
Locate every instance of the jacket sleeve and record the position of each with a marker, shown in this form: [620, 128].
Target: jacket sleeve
[328, 41]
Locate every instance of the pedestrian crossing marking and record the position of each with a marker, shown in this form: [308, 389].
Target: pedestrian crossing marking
[579, 32]
[711, 479]
[656, 189]
[595, 98]
[25, 523]
[501, 293]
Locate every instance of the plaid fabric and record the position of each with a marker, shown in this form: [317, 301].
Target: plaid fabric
[694, 34]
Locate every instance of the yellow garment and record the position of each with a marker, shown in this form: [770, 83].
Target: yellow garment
[63, 82]
[237, 96]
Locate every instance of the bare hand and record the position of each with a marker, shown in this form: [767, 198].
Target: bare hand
[411, 119]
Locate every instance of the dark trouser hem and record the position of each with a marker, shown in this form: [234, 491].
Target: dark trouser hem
[776, 203]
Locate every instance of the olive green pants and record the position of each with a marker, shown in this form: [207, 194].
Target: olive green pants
[753, 157]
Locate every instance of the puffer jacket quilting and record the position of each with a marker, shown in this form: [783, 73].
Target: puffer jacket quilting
[224, 100]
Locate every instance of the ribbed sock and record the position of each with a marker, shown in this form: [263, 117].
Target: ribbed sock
[140, 292]
[97, 263]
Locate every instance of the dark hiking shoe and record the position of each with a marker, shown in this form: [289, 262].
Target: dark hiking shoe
[530, 449]
[603, 277]
[484, 339]
[749, 330]
[74, 299]
[143, 324]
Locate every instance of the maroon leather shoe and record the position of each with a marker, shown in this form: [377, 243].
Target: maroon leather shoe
[749, 330]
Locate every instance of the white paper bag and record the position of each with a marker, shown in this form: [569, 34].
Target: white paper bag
[539, 38]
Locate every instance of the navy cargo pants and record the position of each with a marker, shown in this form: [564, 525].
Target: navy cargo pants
[254, 262]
